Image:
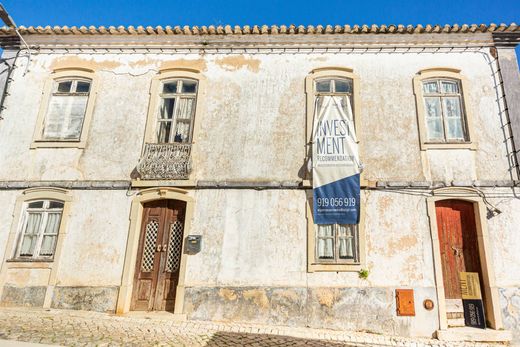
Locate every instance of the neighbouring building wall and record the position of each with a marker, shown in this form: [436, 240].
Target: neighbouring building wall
[504, 231]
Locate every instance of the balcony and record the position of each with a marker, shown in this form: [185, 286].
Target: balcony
[165, 161]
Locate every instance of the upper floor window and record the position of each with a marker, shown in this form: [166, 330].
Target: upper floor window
[443, 114]
[66, 110]
[335, 86]
[40, 227]
[176, 111]
[445, 119]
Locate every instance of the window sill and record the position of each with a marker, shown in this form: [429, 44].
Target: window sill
[29, 263]
[27, 260]
[57, 144]
[450, 145]
[334, 267]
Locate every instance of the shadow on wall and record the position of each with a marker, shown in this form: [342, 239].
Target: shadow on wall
[244, 339]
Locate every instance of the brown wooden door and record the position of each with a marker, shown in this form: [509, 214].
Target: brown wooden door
[158, 256]
[458, 243]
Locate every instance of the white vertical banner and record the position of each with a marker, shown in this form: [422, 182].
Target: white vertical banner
[335, 162]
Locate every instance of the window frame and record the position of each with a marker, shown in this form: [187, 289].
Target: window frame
[332, 72]
[177, 96]
[45, 211]
[315, 75]
[316, 265]
[18, 223]
[48, 91]
[336, 238]
[156, 99]
[451, 74]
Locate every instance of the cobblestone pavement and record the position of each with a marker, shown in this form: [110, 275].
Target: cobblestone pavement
[81, 328]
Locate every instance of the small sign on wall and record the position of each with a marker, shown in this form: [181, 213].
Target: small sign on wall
[405, 302]
[472, 300]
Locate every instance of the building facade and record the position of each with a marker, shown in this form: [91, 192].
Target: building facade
[167, 169]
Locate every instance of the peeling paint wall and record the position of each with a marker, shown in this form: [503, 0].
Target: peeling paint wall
[7, 199]
[252, 122]
[239, 227]
[90, 265]
[344, 308]
[96, 239]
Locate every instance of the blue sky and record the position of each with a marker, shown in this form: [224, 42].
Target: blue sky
[196, 12]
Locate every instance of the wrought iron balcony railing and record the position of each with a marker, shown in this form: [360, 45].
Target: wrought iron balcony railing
[165, 161]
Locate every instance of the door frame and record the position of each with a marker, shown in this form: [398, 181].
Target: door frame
[124, 298]
[492, 304]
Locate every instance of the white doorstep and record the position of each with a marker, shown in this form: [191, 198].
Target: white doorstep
[474, 334]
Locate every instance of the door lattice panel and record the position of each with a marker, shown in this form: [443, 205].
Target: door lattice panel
[174, 247]
[149, 246]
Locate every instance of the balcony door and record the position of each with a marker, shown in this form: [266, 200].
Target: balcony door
[159, 256]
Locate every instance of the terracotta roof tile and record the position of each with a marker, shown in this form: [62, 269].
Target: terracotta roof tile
[262, 30]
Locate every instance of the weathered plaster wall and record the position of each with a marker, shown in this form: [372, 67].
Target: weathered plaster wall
[504, 233]
[343, 308]
[90, 265]
[94, 249]
[510, 307]
[7, 201]
[252, 117]
[239, 227]
[253, 264]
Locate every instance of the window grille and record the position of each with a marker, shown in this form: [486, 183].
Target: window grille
[174, 247]
[152, 229]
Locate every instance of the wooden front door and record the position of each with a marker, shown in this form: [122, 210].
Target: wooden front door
[458, 244]
[159, 256]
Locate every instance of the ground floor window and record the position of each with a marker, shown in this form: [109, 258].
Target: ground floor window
[337, 243]
[40, 226]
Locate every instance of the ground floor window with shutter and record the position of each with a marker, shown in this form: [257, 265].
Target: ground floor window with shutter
[40, 226]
